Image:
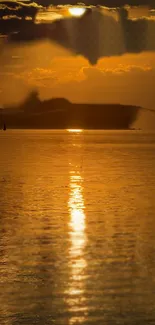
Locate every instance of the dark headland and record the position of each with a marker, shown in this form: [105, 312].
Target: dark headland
[59, 113]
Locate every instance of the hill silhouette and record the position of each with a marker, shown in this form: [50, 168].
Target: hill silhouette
[59, 113]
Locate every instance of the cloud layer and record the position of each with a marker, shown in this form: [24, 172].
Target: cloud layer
[111, 3]
[97, 34]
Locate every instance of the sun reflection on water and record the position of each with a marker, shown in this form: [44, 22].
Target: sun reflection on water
[78, 241]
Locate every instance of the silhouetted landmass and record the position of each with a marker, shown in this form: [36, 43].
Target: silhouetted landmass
[59, 113]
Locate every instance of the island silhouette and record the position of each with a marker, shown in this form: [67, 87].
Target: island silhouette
[59, 113]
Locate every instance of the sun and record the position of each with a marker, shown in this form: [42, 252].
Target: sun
[77, 11]
[75, 130]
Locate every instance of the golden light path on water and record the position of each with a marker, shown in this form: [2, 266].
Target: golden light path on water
[77, 226]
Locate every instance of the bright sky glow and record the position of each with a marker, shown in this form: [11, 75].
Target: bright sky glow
[76, 11]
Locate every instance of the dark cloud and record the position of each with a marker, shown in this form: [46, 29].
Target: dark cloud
[18, 9]
[93, 36]
[111, 3]
[108, 3]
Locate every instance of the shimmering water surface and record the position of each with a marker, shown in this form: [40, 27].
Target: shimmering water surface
[77, 227]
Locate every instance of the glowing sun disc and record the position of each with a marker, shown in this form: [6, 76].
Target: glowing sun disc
[75, 130]
[76, 11]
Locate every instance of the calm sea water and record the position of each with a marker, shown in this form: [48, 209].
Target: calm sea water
[77, 228]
